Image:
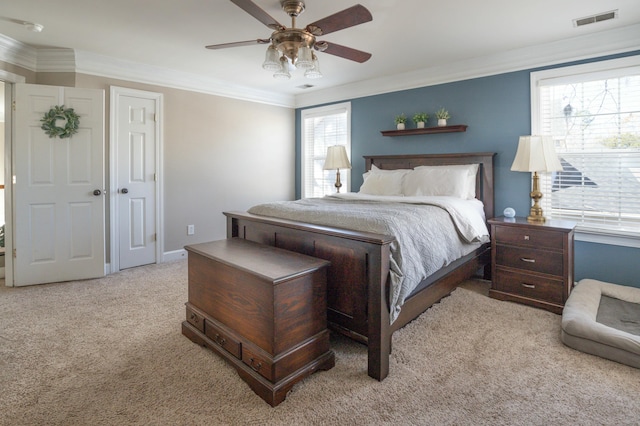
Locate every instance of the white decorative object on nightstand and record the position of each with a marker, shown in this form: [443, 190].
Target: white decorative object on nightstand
[509, 212]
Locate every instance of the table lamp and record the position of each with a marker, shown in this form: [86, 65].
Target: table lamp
[536, 154]
[337, 159]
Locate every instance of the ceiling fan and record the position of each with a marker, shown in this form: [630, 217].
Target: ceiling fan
[295, 45]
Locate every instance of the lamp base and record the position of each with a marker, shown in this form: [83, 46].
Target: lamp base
[535, 213]
[535, 218]
[338, 184]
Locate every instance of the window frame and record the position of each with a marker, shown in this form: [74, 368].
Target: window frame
[345, 175]
[574, 74]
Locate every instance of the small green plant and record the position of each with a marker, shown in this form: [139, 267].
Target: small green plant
[401, 118]
[420, 117]
[442, 114]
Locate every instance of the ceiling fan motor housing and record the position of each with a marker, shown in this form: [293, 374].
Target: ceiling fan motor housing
[290, 40]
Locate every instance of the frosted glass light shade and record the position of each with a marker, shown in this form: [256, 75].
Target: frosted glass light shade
[283, 72]
[536, 154]
[314, 72]
[305, 60]
[271, 60]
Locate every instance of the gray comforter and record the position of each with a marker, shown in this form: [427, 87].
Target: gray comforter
[430, 232]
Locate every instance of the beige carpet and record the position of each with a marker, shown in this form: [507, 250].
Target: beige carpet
[110, 352]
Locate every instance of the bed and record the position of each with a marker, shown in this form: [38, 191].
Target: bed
[358, 280]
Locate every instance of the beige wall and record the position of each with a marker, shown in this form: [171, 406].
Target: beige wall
[219, 154]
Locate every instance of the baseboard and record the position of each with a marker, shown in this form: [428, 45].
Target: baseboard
[174, 255]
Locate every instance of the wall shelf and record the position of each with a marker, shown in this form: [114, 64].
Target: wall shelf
[425, 131]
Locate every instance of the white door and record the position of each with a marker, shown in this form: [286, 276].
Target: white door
[58, 187]
[136, 182]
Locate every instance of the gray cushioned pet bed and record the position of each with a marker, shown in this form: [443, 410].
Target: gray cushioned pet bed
[603, 319]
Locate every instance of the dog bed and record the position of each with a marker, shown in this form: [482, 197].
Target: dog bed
[603, 319]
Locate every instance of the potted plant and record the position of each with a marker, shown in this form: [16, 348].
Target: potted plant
[420, 119]
[400, 121]
[442, 115]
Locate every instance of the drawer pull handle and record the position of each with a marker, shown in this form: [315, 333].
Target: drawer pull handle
[528, 285]
[220, 340]
[526, 259]
[526, 237]
[194, 318]
[257, 366]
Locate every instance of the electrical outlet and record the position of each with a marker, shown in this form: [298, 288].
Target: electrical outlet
[191, 229]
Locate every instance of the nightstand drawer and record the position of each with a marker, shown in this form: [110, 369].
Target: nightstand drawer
[526, 285]
[546, 262]
[529, 238]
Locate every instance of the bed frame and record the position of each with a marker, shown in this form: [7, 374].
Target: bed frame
[357, 280]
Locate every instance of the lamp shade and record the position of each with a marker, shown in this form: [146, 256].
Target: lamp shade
[536, 154]
[336, 158]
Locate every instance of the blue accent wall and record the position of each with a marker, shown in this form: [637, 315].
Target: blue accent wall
[497, 110]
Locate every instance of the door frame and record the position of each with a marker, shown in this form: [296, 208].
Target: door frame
[9, 79]
[114, 222]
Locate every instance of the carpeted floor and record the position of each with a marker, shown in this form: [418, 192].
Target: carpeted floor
[110, 352]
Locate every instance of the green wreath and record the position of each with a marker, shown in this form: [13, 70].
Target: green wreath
[60, 113]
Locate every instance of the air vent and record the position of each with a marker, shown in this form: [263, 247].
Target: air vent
[306, 86]
[605, 16]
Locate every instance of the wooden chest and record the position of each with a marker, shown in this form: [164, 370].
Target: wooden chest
[261, 308]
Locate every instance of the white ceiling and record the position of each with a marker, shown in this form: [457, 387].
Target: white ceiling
[405, 36]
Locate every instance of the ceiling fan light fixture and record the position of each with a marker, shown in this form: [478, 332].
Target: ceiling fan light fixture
[292, 47]
[272, 60]
[283, 72]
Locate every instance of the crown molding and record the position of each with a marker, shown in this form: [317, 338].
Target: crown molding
[17, 53]
[625, 39]
[105, 66]
[56, 60]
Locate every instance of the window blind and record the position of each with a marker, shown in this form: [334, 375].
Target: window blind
[594, 120]
[322, 128]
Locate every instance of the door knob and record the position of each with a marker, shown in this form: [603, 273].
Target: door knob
[97, 192]
[124, 190]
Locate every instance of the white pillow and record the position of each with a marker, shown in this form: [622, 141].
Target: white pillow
[455, 180]
[383, 182]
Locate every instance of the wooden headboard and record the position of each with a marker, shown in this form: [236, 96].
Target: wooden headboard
[484, 179]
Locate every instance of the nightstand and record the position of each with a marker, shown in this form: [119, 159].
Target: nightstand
[532, 263]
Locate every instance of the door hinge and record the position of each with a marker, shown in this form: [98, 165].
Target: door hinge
[155, 117]
[155, 177]
[155, 237]
[14, 253]
[13, 105]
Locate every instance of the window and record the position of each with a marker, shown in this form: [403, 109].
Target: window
[321, 128]
[592, 112]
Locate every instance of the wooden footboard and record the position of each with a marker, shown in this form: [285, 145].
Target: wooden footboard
[358, 272]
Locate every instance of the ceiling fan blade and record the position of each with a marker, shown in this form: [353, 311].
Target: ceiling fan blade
[254, 10]
[238, 43]
[354, 15]
[343, 51]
